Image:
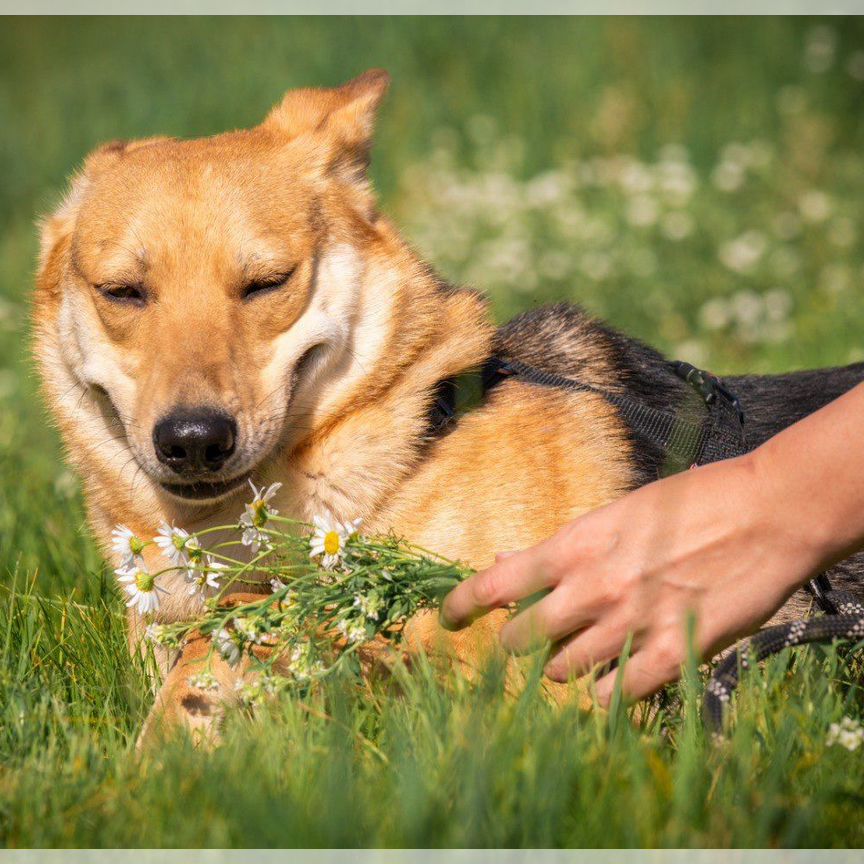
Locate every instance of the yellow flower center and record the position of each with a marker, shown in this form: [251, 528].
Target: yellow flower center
[259, 520]
[144, 581]
[136, 546]
[332, 542]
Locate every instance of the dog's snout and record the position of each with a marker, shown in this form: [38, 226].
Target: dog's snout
[195, 440]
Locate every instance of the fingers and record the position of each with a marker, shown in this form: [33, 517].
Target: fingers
[513, 577]
[585, 650]
[658, 663]
[555, 616]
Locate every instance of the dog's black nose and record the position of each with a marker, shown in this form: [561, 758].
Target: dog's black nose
[193, 440]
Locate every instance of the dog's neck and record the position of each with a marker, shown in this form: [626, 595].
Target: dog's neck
[374, 435]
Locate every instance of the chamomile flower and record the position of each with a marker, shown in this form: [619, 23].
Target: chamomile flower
[155, 633]
[369, 605]
[353, 631]
[178, 546]
[205, 576]
[142, 590]
[247, 630]
[258, 511]
[329, 539]
[128, 549]
[229, 645]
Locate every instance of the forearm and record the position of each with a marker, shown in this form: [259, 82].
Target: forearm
[812, 474]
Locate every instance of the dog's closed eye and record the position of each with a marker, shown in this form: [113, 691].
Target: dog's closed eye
[266, 284]
[134, 295]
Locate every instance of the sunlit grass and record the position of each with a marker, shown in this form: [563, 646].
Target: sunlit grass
[697, 182]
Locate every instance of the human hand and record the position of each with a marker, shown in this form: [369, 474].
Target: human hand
[714, 542]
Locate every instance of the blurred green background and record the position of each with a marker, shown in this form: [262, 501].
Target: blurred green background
[699, 182]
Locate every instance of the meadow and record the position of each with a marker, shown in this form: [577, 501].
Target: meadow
[697, 182]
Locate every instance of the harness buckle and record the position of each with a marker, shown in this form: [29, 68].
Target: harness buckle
[708, 386]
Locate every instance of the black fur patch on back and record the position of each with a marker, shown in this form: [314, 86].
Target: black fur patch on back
[565, 340]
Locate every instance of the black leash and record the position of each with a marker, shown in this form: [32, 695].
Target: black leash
[687, 443]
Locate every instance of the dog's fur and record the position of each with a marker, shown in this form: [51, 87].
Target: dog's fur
[331, 375]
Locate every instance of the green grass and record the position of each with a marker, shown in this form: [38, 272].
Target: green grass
[749, 257]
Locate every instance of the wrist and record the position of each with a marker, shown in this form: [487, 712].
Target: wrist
[794, 520]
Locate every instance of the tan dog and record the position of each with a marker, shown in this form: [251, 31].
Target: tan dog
[236, 307]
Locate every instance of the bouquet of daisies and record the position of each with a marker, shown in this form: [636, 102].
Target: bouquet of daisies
[332, 590]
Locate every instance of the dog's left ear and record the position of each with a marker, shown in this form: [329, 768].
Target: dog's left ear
[339, 121]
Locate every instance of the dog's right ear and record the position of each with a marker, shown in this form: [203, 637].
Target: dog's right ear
[56, 228]
[338, 122]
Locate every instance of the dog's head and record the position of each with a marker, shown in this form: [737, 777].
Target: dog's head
[202, 288]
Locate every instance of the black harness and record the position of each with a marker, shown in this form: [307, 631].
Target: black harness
[686, 442]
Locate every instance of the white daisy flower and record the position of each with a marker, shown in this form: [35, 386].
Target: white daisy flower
[142, 590]
[178, 546]
[128, 548]
[329, 539]
[277, 584]
[228, 645]
[205, 576]
[255, 518]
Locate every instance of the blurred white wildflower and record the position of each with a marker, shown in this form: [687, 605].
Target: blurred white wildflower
[229, 645]
[204, 681]
[744, 252]
[728, 176]
[847, 733]
[635, 178]
[329, 539]
[715, 314]
[155, 633]
[352, 630]
[835, 279]
[246, 630]
[65, 484]
[855, 65]
[596, 265]
[820, 48]
[814, 205]
[677, 225]
[642, 211]
[370, 605]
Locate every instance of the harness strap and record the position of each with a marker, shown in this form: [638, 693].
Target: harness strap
[685, 442]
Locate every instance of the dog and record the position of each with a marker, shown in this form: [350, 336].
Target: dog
[236, 307]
